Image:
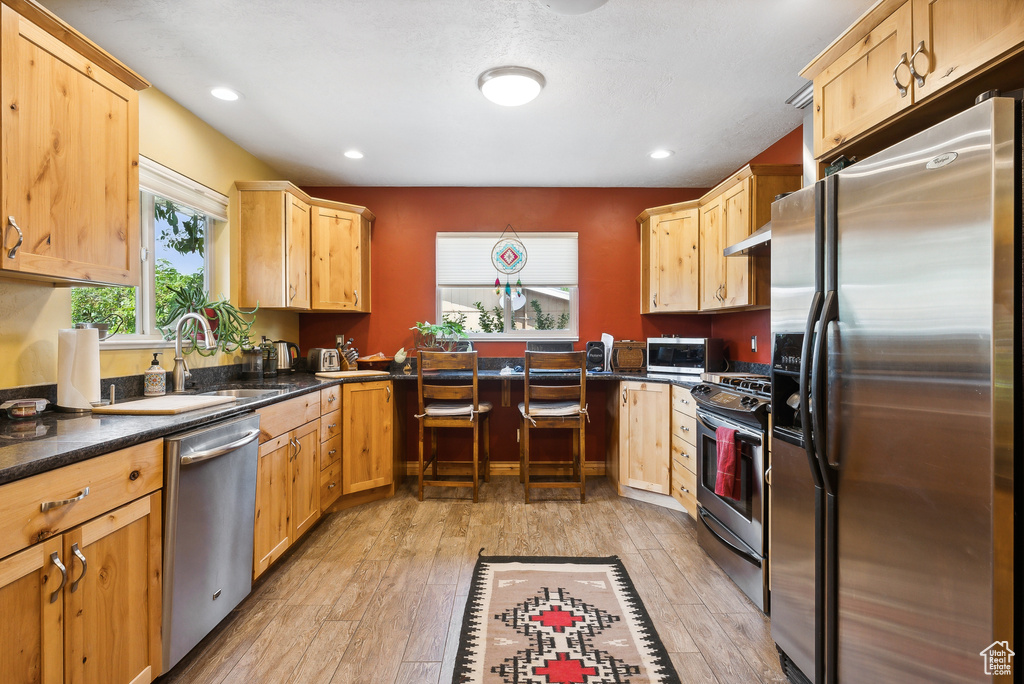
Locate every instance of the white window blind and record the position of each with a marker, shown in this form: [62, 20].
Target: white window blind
[552, 259]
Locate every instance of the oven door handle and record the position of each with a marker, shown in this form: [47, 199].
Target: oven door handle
[749, 437]
[735, 549]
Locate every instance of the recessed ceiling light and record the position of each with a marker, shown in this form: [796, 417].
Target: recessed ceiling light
[572, 6]
[510, 86]
[661, 154]
[227, 94]
[354, 154]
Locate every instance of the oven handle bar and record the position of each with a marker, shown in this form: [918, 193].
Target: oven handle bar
[711, 423]
[735, 549]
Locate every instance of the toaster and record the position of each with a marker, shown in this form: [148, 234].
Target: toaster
[323, 359]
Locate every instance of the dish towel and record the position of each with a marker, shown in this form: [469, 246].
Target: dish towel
[727, 480]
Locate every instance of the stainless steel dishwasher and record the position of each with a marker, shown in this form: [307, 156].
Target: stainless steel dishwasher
[209, 507]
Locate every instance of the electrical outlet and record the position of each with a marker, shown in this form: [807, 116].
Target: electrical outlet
[753, 343]
[339, 341]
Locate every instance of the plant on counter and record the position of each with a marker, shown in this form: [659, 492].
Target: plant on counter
[445, 334]
[228, 323]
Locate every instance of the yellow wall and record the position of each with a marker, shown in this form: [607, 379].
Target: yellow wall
[31, 314]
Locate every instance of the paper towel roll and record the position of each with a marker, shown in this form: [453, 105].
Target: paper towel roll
[78, 368]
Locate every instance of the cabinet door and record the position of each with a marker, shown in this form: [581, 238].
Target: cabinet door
[112, 600]
[644, 436]
[712, 263]
[366, 436]
[735, 227]
[70, 161]
[273, 480]
[32, 631]
[337, 260]
[675, 238]
[857, 91]
[959, 36]
[297, 251]
[305, 474]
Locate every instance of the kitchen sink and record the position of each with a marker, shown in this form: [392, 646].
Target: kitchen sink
[247, 393]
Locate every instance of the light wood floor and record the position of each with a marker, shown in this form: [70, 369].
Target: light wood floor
[375, 594]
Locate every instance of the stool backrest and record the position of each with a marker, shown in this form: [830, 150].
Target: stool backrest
[567, 361]
[434, 377]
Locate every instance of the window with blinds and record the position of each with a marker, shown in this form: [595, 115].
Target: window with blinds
[548, 306]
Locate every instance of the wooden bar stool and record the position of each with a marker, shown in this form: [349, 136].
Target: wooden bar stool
[554, 406]
[457, 406]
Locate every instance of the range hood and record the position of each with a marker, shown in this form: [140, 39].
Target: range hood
[756, 243]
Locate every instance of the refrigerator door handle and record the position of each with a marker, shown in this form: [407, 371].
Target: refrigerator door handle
[805, 389]
[829, 314]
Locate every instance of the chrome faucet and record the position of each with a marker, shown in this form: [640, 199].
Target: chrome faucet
[181, 373]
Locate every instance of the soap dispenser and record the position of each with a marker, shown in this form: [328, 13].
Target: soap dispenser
[156, 378]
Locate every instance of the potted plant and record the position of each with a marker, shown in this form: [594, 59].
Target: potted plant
[230, 327]
[444, 335]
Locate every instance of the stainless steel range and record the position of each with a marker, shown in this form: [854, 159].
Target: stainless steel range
[732, 531]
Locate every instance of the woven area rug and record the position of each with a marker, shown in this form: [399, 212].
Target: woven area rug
[549, 620]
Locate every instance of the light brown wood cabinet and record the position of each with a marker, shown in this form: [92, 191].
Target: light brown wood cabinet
[70, 154]
[275, 245]
[83, 603]
[341, 257]
[669, 258]
[367, 436]
[683, 428]
[638, 440]
[900, 53]
[728, 213]
[330, 446]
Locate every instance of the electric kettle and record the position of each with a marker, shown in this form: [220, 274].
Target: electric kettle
[287, 355]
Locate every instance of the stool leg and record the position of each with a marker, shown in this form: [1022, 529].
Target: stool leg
[433, 449]
[526, 460]
[487, 447]
[575, 454]
[476, 454]
[583, 459]
[522, 463]
[419, 471]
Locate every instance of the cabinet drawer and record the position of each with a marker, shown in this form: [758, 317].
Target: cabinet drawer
[684, 454]
[684, 488]
[682, 401]
[330, 452]
[330, 399]
[278, 419]
[112, 480]
[330, 425]
[684, 426]
[330, 484]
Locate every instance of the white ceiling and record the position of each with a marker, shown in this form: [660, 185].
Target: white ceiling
[396, 79]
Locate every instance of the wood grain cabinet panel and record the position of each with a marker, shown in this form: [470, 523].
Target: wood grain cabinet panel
[669, 258]
[274, 246]
[367, 427]
[712, 263]
[341, 257]
[643, 436]
[305, 474]
[70, 159]
[32, 630]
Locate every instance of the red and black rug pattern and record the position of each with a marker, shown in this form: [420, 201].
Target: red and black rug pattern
[553, 620]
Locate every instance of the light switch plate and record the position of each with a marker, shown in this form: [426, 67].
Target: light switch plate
[753, 343]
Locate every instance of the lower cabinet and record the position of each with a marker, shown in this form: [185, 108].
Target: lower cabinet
[683, 428]
[85, 606]
[367, 436]
[638, 440]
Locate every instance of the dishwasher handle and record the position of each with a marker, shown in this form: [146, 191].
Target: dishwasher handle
[207, 454]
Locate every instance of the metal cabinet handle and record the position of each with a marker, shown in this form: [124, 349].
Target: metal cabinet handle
[85, 566]
[896, 79]
[684, 428]
[55, 559]
[332, 452]
[332, 426]
[684, 490]
[623, 396]
[292, 290]
[389, 394]
[768, 476]
[295, 449]
[913, 72]
[331, 398]
[207, 454]
[13, 251]
[332, 485]
[50, 505]
[356, 293]
[655, 300]
[298, 448]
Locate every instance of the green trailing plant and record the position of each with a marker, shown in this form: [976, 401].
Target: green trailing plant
[229, 324]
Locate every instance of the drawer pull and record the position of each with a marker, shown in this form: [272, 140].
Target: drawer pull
[55, 559]
[684, 428]
[684, 490]
[332, 426]
[85, 566]
[50, 505]
[332, 452]
[331, 398]
[332, 485]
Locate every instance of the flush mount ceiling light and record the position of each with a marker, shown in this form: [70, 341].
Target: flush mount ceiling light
[227, 94]
[572, 6]
[510, 86]
[661, 154]
[354, 154]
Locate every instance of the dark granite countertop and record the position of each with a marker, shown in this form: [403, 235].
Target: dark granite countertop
[52, 439]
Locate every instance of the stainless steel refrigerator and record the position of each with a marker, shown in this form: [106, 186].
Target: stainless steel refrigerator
[896, 319]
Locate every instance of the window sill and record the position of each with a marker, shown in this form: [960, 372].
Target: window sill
[135, 342]
[531, 336]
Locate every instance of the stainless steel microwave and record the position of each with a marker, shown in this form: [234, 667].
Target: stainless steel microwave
[687, 355]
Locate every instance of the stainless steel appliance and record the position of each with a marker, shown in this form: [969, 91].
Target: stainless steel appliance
[323, 359]
[209, 507]
[732, 531]
[896, 319]
[686, 355]
[287, 355]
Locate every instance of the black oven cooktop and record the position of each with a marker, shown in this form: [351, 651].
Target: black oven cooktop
[743, 397]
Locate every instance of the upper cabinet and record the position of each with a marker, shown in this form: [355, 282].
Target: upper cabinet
[69, 133]
[298, 252]
[900, 53]
[341, 257]
[669, 257]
